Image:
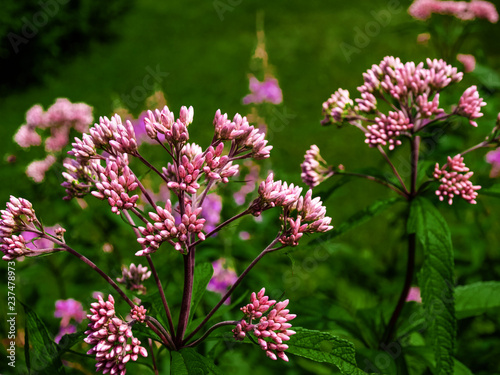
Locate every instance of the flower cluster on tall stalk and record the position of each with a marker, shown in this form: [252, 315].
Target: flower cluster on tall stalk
[399, 103]
[452, 25]
[101, 165]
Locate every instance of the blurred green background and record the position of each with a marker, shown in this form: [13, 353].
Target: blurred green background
[202, 51]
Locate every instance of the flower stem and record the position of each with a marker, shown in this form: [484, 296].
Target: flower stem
[220, 226]
[110, 281]
[375, 179]
[410, 267]
[189, 261]
[233, 287]
[396, 173]
[213, 328]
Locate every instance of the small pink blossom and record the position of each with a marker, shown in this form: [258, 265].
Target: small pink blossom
[69, 309]
[133, 277]
[266, 91]
[113, 342]
[27, 136]
[272, 330]
[414, 295]
[314, 168]
[493, 157]
[470, 105]
[388, 129]
[469, 62]
[337, 106]
[222, 278]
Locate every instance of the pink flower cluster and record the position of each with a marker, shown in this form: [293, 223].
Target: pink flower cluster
[336, 107]
[192, 172]
[463, 10]
[454, 178]
[314, 168]
[133, 276]
[60, 118]
[470, 105]
[12, 221]
[388, 129]
[413, 92]
[266, 91]
[301, 214]
[272, 330]
[112, 339]
[469, 62]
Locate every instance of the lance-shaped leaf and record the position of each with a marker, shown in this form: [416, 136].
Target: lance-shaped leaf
[189, 362]
[324, 347]
[436, 279]
[476, 299]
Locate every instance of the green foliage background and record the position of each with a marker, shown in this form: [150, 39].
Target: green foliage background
[346, 286]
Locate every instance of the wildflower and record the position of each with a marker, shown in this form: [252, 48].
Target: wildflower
[272, 329]
[116, 181]
[133, 276]
[112, 339]
[314, 168]
[138, 313]
[266, 91]
[387, 130]
[470, 105]
[336, 107]
[222, 278]
[454, 178]
[469, 62]
[463, 10]
[493, 157]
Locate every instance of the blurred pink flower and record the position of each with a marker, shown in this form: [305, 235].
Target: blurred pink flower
[414, 295]
[244, 235]
[469, 62]
[464, 10]
[222, 279]
[26, 136]
[69, 309]
[266, 91]
[211, 208]
[64, 331]
[36, 169]
[493, 157]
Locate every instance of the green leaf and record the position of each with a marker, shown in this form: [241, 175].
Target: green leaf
[202, 274]
[436, 279]
[487, 76]
[69, 340]
[189, 362]
[492, 191]
[476, 299]
[324, 195]
[426, 355]
[43, 358]
[324, 347]
[357, 219]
